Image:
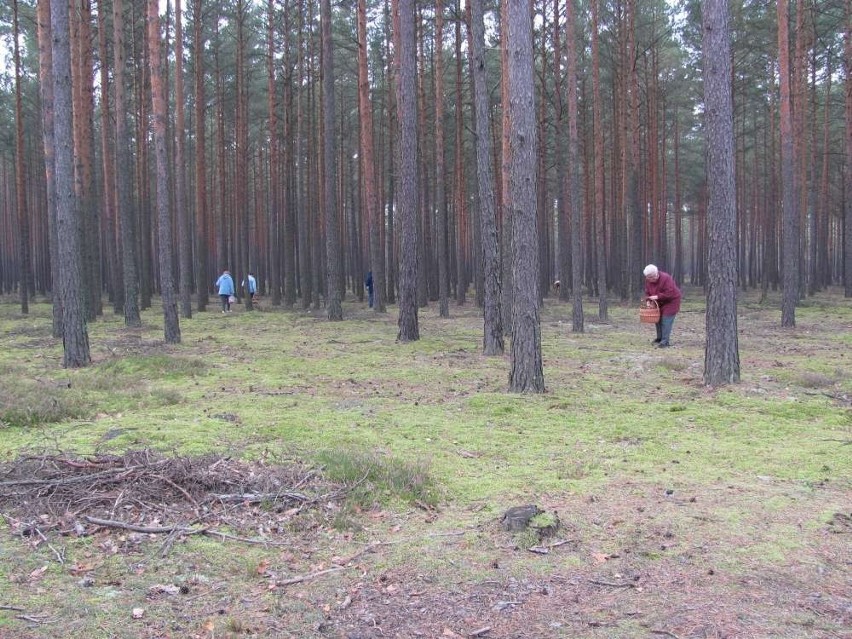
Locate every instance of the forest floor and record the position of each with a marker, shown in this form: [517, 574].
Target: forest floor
[277, 475]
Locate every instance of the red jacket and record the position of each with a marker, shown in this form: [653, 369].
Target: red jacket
[667, 292]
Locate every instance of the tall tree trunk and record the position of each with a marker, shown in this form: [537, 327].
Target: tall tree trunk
[84, 155]
[462, 227]
[526, 374]
[368, 164]
[75, 336]
[123, 183]
[113, 257]
[847, 199]
[332, 236]
[202, 277]
[575, 196]
[508, 305]
[492, 335]
[45, 55]
[24, 264]
[171, 325]
[721, 353]
[789, 215]
[184, 238]
[243, 202]
[406, 105]
[599, 215]
[440, 167]
[273, 209]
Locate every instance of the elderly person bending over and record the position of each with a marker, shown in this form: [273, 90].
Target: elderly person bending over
[661, 287]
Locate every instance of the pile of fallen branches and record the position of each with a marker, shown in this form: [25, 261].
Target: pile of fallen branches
[146, 492]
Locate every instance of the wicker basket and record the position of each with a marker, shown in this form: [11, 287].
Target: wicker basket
[649, 313]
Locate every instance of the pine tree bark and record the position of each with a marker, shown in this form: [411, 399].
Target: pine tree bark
[847, 218]
[721, 353]
[789, 214]
[526, 374]
[83, 80]
[440, 167]
[575, 195]
[45, 55]
[599, 215]
[111, 242]
[243, 204]
[202, 276]
[332, 236]
[123, 183]
[274, 201]
[368, 163]
[75, 336]
[24, 263]
[409, 330]
[184, 236]
[171, 325]
[492, 334]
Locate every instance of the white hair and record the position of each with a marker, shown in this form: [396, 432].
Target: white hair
[650, 270]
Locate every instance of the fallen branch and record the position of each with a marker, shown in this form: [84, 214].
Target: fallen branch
[299, 579]
[33, 619]
[665, 632]
[612, 584]
[15, 608]
[480, 632]
[151, 530]
[246, 540]
[253, 498]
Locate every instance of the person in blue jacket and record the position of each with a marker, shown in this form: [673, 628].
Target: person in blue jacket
[225, 284]
[250, 284]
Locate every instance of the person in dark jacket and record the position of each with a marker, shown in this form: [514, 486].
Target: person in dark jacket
[661, 288]
[368, 282]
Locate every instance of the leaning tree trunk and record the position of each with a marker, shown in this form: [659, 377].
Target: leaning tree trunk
[171, 325]
[721, 353]
[75, 337]
[526, 374]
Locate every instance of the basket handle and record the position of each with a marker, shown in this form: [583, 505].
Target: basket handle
[649, 303]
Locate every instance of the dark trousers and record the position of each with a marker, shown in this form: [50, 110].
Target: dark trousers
[664, 329]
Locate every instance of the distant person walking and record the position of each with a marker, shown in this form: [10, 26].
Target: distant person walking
[661, 288]
[225, 284]
[368, 282]
[250, 284]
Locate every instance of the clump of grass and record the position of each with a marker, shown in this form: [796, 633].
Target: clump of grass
[154, 367]
[374, 477]
[24, 403]
[814, 380]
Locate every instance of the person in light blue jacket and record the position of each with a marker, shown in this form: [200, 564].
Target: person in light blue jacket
[225, 284]
[250, 284]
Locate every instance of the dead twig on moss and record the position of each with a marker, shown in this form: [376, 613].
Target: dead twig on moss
[300, 578]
